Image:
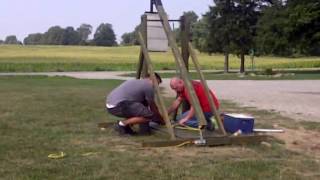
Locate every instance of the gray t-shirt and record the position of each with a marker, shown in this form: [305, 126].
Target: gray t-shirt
[137, 90]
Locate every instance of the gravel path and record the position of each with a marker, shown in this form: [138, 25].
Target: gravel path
[297, 99]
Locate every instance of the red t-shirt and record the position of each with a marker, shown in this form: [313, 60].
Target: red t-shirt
[200, 91]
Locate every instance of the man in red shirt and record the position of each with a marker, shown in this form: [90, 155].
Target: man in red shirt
[188, 118]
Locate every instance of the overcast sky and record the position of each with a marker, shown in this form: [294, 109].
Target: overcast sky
[22, 17]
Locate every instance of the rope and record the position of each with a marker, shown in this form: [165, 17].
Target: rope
[184, 143]
[186, 128]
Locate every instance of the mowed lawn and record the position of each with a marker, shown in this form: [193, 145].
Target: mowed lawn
[87, 58]
[43, 115]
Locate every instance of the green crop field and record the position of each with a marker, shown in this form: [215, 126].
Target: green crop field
[87, 58]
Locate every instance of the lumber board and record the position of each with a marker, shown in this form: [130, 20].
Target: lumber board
[213, 141]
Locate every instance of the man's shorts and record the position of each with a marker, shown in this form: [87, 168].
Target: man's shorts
[128, 109]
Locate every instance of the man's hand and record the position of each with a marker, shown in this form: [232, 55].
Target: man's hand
[182, 121]
[175, 105]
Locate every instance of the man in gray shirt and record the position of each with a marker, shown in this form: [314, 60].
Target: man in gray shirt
[134, 101]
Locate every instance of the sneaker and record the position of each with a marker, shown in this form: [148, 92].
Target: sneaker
[144, 129]
[210, 126]
[129, 130]
[122, 130]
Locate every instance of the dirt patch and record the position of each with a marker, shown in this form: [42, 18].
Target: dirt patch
[301, 140]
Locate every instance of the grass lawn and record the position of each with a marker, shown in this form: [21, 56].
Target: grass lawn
[41, 115]
[86, 58]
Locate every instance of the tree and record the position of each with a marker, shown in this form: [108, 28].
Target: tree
[304, 23]
[273, 36]
[233, 26]
[12, 39]
[294, 29]
[54, 36]
[130, 38]
[104, 35]
[84, 31]
[33, 39]
[221, 27]
[200, 34]
[192, 17]
[71, 37]
[243, 40]
[1, 41]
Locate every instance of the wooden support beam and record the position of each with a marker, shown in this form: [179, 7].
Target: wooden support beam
[142, 68]
[207, 90]
[181, 65]
[213, 141]
[162, 107]
[140, 65]
[144, 32]
[185, 38]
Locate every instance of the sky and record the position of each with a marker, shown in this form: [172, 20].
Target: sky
[23, 17]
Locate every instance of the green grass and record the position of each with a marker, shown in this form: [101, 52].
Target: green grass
[88, 58]
[42, 115]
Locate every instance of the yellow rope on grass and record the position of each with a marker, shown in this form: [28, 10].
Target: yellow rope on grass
[184, 143]
[187, 128]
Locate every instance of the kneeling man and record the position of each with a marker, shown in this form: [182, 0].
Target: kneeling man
[188, 118]
[133, 100]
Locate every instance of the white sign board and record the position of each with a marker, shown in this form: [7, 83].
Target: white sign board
[156, 37]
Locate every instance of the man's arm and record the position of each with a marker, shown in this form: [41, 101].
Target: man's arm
[189, 116]
[155, 110]
[176, 103]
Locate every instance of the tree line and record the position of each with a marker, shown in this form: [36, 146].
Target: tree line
[254, 27]
[242, 27]
[56, 35]
[262, 27]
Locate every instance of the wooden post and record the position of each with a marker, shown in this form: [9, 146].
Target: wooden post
[162, 109]
[140, 65]
[142, 69]
[185, 38]
[207, 90]
[179, 60]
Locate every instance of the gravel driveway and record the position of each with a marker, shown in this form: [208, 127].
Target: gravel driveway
[299, 99]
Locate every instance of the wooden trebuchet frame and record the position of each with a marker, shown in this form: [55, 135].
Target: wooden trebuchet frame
[162, 108]
[181, 65]
[207, 90]
[145, 64]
